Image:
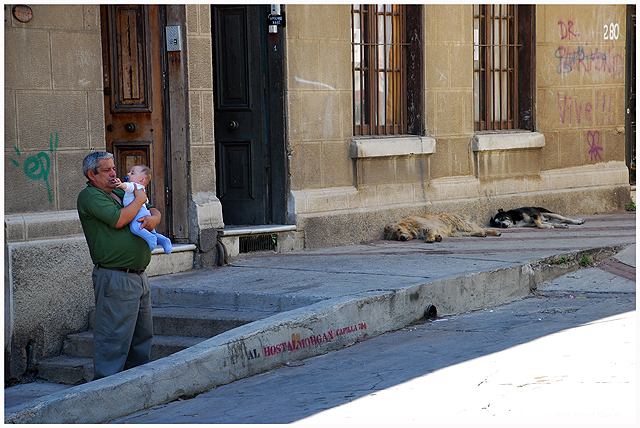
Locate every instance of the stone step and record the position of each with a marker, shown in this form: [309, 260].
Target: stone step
[197, 322]
[175, 329]
[200, 322]
[76, 366]
[66, 369]
[180, 260]
[80, 345]
[283, 238]
[178, 291]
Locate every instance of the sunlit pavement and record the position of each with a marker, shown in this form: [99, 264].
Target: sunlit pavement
[586, 374]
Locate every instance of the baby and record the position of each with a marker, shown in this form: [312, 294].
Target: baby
[139, 177]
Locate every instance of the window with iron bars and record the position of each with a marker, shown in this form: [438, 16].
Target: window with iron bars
[379, 59]
[502, 59]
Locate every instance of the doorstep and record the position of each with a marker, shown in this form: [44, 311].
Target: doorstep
[267, 237]
[180, 260]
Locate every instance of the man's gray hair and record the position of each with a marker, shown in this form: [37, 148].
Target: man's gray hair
[92, 161]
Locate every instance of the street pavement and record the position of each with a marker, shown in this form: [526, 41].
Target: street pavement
[333, 298]
[566, 354]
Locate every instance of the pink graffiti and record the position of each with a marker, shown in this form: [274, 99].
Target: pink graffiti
[573, 107]
[593, 139]
[566, 30]
[583, 58]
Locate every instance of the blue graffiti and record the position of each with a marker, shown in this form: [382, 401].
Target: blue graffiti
[574, 60]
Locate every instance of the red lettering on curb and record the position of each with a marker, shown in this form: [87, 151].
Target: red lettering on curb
[298, 343]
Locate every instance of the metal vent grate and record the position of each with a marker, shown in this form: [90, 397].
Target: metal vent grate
[253, 243]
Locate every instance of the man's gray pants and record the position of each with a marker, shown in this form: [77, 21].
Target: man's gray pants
[123, 327]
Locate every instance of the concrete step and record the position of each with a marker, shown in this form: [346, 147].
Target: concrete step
[66, 369]
[246, 239]
[200, 322]
[193, 290]
[76, 366]
[180, 260]
[197, 322]
[174, 328]
[80, 345]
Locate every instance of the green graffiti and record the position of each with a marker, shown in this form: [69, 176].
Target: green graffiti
[37, 167]
[51, 147]
[12, 159]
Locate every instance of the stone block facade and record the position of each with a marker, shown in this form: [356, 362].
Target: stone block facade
[342, 188]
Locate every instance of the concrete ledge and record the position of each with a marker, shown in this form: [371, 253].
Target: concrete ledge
[180, 260]
[352, 200]
[256, 230]
[289, 336]
[37, 226]
[288, 238]
[507, 141]
[387, 147]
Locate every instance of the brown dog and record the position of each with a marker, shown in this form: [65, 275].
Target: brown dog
[434, 227]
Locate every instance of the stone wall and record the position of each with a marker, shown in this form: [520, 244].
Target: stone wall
[319, 95]
[53, 116]
[573, 163]
[581, 84]
[54, 106]
[205, 210]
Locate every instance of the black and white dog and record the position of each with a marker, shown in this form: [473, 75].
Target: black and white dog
[532, 216]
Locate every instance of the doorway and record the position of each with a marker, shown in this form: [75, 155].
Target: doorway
[248, 64]
[630, 117]
[133, 66]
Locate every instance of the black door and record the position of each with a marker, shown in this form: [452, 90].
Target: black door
[630, 118]
[241, 114]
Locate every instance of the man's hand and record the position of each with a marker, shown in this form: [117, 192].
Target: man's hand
[128, 213]
[150, 222]
[139, 193]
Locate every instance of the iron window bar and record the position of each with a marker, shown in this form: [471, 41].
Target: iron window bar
[379, 50]
[495, 67]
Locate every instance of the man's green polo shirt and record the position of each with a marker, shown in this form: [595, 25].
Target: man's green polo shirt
[110, 247]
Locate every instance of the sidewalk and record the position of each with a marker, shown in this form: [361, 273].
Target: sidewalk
[332, 298]
[556, 357]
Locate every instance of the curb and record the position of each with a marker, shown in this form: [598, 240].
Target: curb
[291, 336]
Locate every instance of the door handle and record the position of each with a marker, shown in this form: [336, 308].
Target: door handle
[233, 125]
[131, 127]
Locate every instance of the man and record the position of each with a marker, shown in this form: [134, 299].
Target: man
[123, 328]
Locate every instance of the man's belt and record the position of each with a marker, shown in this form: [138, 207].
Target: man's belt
[136, 271]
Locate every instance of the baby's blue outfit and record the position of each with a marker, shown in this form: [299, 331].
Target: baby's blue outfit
[153, 238]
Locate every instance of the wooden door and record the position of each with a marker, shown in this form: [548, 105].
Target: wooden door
[133, 66]
[241, 140]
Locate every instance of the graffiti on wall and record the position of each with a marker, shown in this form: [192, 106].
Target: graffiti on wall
[576, 55]
[585, 58]
[37, 167]
[572, 109]
[593, 139]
